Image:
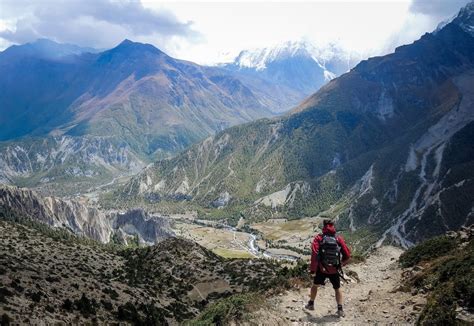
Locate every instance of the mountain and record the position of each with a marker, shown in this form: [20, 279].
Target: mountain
[81, 220]
[133, 90]
[299, 66]
[49, 277]
[386, 149]
[45, 49]
[109, 112]
[66, 164]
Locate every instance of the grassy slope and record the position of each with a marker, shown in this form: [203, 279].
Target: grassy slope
[447, 273]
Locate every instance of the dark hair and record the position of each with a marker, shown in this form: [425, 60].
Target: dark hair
[328, 222]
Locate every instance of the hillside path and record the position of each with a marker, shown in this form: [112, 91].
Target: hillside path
[372, 300]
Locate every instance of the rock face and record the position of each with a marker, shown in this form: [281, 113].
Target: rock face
[386, 148]
[83, 220]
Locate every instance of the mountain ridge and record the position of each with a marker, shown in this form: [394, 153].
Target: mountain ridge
[133, 95]
[343, 153]
[298, 65]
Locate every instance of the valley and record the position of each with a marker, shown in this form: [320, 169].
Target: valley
[344, 153]
[139, 188]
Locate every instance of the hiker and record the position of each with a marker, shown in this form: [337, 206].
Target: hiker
[329, 254]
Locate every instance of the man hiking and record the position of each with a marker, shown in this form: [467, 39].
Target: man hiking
[329, 254]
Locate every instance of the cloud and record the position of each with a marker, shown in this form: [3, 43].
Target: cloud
[98, 23]
[422, 16]
[437, 8]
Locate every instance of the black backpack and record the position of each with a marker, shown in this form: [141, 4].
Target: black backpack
[330, 251]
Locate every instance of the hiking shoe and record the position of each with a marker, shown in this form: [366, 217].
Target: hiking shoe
[309, 306]
[340, 313]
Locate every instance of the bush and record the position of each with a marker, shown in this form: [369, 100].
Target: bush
[151, 314]
[449, 270]
[4, 293]
[67, 305]
[85, 305]
[427, 250]
[440, 309]
[5, 320]
[128, 312]
[226, 310]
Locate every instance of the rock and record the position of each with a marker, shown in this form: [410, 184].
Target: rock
[294, 300]
[402, 307]
[385, 311]
[451, 234]
[83, 220]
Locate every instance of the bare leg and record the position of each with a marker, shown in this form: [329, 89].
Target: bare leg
[338, 296]
[314, 292]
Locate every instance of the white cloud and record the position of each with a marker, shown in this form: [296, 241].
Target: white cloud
[98, 23]
[223, 28]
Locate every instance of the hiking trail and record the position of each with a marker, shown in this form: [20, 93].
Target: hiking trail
[371, 300]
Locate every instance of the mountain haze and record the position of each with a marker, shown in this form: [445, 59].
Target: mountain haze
[87, 106]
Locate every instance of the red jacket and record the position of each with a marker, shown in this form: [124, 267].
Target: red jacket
[346, 253]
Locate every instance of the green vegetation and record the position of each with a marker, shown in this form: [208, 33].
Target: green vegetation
[428, 250]
[228, 309]
[227, 253]
[447, 273]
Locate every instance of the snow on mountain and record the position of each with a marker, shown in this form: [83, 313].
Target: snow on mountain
[298, 65]
[326, 56]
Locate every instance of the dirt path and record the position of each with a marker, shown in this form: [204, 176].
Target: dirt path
[369, 301]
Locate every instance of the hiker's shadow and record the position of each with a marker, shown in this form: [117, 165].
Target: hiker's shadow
[323, 319]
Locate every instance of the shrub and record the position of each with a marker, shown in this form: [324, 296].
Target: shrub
[430, 249]
[226, 310]
[5, 320]
[67, 305]
[85, 305]
[449, 271]
[4, 292]
[440, 309]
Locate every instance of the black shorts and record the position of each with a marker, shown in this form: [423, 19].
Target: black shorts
[320, 278]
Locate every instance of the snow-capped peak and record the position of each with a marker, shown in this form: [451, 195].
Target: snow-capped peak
[259, 58]
[324, 55]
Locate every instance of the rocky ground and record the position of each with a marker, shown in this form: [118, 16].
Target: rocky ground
[371, 297]
[49, 276]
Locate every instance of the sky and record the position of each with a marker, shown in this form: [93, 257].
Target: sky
[210, 32]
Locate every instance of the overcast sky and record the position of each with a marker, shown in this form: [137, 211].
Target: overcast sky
[207, 32]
